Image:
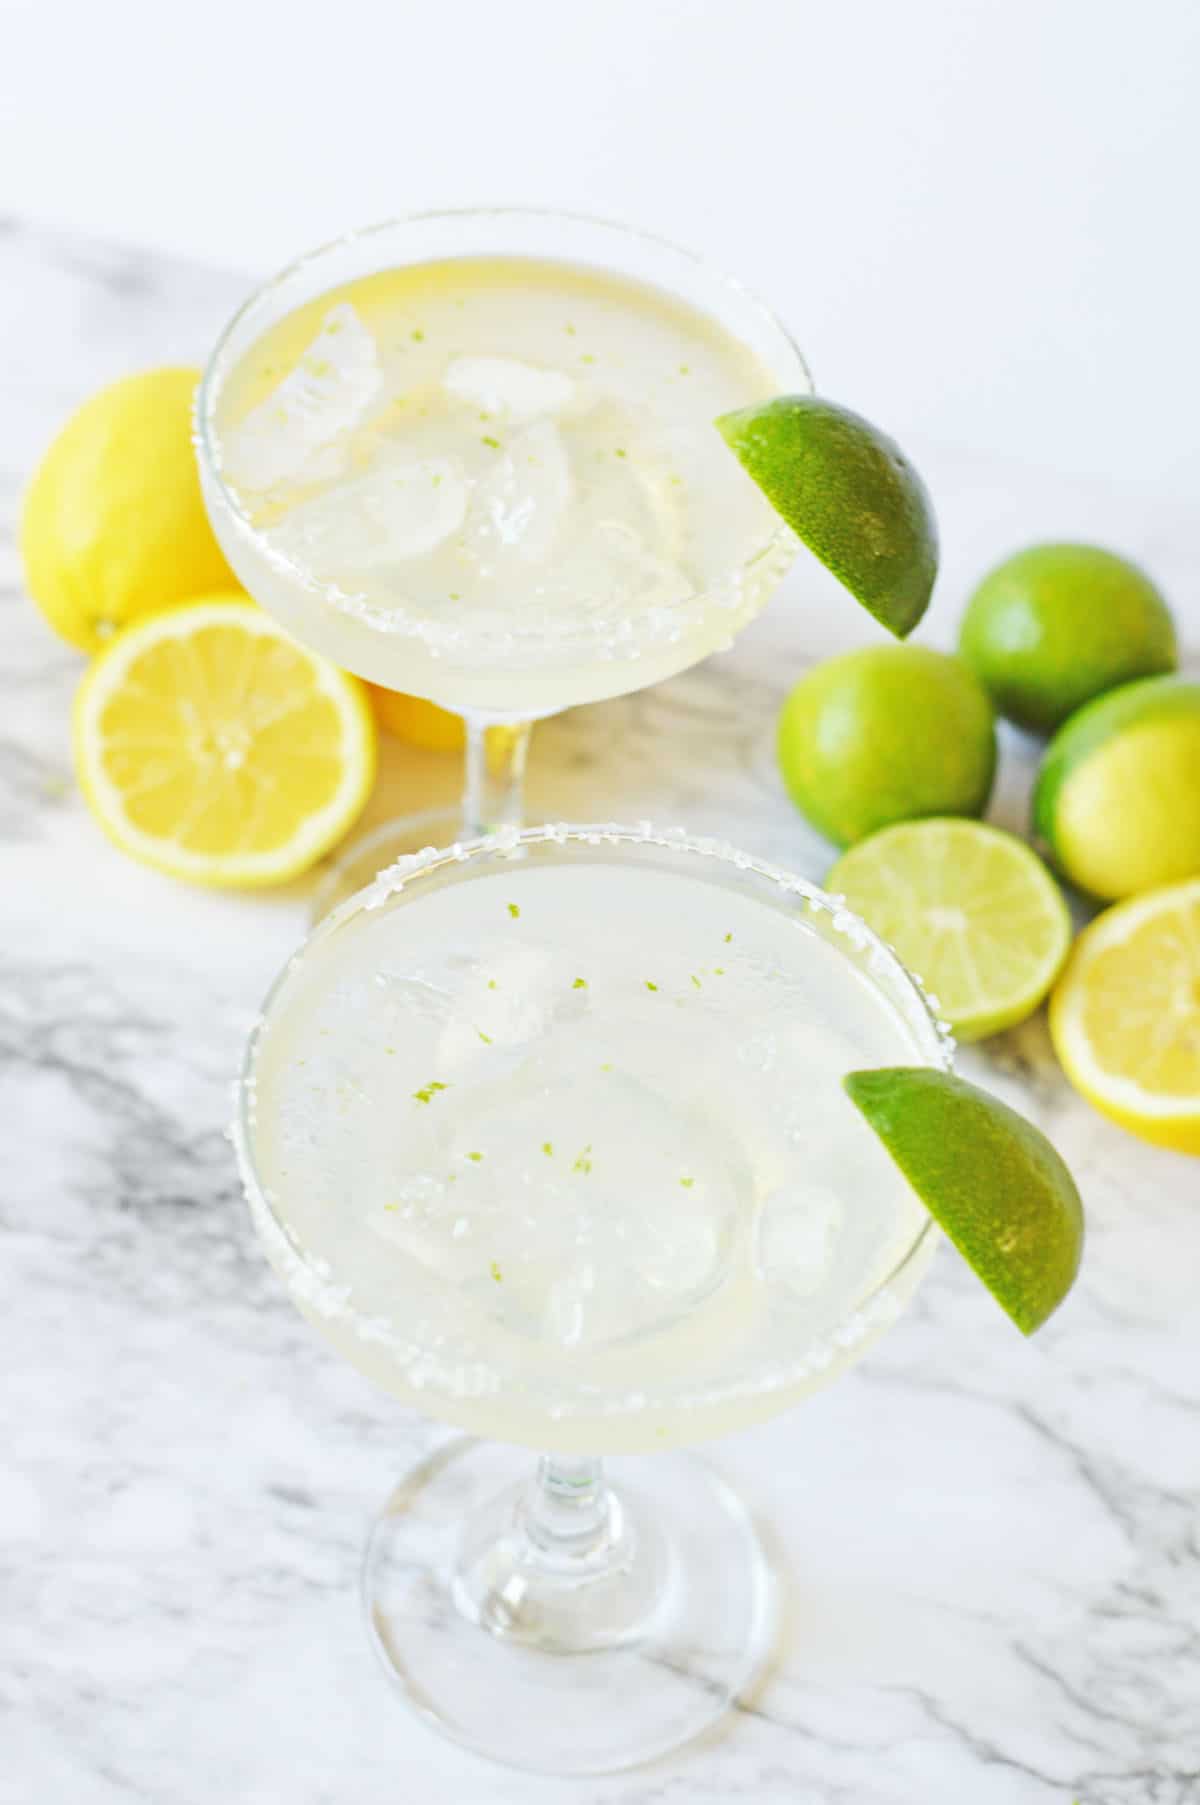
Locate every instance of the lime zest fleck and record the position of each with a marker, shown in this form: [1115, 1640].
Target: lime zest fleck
[514, 910]
[607, 1066]
[496, 1272]
[687, 1183]
[650, 985]
[728, 938]
[580, 984]
[620, 452]
[684, 370]
[696, 981]
[475, 1156]
[718, 971]
[491, 983]
[485, 1038]
[391, 1208]
[488, 440]
[583, 1161]
[548, 1149]
[587, 358]
[418, 335]
[428, 1091]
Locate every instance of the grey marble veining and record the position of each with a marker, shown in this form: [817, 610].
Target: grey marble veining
[994, 1546]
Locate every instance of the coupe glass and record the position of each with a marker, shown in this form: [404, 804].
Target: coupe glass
[594, 1608]
[500, 678]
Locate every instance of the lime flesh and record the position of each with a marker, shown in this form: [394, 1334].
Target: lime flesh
[970, 909]
[991, 1180]
[1117, 798]
[849, 492]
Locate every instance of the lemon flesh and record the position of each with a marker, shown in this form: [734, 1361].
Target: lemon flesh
[970, 909]
[1125, 1016]
[212, 746]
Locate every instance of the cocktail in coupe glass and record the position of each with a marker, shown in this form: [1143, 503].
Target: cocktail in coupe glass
[471, 456]
[546, 1135]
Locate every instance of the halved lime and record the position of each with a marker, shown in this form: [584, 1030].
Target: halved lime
[969, 908]
[850, 494]
[987, 1176]
[1117, 798]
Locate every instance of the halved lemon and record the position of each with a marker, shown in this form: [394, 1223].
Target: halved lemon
[1125, 1016]
[211, 745]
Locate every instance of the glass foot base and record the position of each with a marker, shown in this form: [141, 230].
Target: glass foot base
[363, 859]
[586, 1666]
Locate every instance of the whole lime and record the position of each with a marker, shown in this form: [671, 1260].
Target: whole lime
[1117, 798]
[1057, 625]
[886, 734]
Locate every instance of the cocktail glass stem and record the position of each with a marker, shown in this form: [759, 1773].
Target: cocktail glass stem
[572, 1619]
[493, 796]
[560, 1562]
[496, 754]
[568, 1506]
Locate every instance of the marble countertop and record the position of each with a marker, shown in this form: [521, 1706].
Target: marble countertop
[994, 1545]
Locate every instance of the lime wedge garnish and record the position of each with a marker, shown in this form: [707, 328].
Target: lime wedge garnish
[969, 908]
[850, 494]
[990, 1178]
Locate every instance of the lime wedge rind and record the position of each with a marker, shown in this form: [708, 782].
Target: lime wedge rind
[989, 1178]
[850, 493]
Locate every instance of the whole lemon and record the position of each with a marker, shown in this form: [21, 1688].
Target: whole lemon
[113, 525]
[416, 721]
[886, 734]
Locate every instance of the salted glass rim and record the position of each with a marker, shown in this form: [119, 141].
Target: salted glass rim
[357, 605]
[314, 1277]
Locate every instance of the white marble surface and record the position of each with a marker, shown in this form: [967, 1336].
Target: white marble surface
[994, 1546]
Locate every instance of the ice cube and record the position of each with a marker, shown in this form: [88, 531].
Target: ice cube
[402, 509]
[606, 563]
[519, 506]
[797, 1232]
[565, 1313]
[678, 1250]
[519, 392]
[293, 435]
